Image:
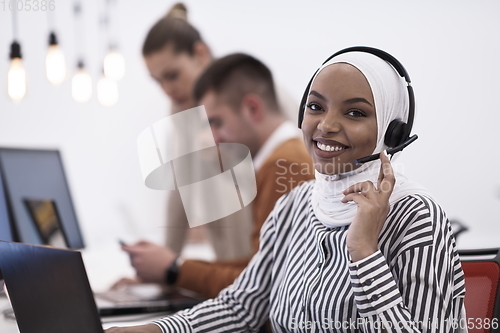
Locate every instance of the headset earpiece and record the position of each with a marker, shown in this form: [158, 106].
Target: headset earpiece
[395, 133]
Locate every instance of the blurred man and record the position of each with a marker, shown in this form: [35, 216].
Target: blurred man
[240, 100]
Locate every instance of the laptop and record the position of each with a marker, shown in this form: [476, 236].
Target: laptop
[50, 292]
[144, 298]
[48, 289]
[43, 213]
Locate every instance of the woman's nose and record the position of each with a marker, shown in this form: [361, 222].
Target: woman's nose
[330, 123]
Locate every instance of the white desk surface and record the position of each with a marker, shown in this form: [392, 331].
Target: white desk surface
[10, 325]
[6, 325]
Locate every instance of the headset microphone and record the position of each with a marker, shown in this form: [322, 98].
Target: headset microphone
[390, 151]
[397, 137]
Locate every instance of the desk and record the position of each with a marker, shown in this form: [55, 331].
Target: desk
[10, 325]
[6, 325]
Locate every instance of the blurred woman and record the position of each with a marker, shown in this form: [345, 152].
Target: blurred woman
[176, 55]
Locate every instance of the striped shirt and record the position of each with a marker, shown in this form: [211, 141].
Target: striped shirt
[303, 280]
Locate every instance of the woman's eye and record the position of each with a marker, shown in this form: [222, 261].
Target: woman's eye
[356, 113]
[314, 107]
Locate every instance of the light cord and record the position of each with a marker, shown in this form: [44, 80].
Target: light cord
[14, 22]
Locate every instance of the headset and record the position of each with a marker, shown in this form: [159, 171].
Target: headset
[397, 137]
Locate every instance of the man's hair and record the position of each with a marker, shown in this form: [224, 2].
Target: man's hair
[234, 76]
[172, 29]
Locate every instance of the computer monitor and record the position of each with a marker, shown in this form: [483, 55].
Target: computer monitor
[47, 222]
[39, 197]
[5, 224]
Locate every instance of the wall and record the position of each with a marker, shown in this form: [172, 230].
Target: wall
[450, 49]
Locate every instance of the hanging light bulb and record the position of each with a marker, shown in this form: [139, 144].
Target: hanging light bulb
[81, 84]
[107, 91]
[16, 77]
[114, 65]
[55, 65]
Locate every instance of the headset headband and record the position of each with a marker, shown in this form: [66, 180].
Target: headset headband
[384, 56]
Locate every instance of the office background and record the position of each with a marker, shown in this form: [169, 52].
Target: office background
[450, 48]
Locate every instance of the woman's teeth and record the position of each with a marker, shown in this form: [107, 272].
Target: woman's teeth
[328, 148]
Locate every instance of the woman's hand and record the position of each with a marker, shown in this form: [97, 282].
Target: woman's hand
[373, 207]
[150, 328]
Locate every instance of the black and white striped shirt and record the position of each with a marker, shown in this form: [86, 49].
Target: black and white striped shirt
[303, 280]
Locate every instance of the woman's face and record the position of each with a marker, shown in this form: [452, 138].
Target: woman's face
[340, 123]
[177, 72]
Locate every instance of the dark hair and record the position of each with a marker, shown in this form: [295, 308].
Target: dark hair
[233, 77]
[172, 29]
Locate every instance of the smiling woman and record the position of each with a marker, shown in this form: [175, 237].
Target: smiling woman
[361, 248]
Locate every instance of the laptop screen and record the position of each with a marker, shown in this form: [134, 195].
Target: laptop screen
[39, 196]
[49, 289]
[5, 226]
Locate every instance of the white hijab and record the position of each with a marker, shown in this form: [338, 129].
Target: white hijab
[391, 102]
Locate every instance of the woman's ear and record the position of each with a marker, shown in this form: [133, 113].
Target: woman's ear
[202, 53]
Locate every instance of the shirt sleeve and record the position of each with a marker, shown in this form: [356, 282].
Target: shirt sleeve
[419, 290]
[209, 278]
[241, 307]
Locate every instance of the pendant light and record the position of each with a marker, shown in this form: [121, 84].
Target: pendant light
[107, 91]
[113, 66]
[16, 76]
[55, 64]
[81, 84]
[114, 63]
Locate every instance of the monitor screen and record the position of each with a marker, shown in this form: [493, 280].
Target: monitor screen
[36, 178]
[44, 216]
[5, 224]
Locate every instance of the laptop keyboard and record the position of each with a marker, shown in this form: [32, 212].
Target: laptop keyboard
[120, 297]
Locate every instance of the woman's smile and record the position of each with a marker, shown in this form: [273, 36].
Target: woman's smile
[325, 148]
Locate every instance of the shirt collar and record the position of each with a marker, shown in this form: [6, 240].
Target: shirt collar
[284, 132]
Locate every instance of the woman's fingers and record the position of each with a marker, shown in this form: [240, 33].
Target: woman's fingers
[386, 179]
[385, 184]
[363, 187]
[356, 197]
